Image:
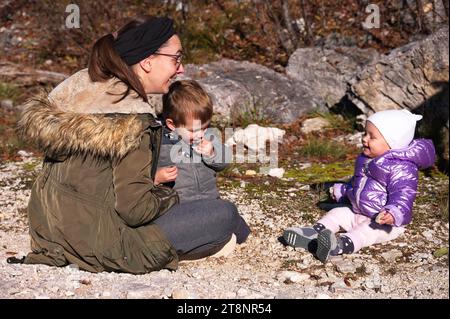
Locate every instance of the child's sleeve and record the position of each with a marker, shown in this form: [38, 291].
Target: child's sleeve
[220, 160]
[402, 190]
[340, 190]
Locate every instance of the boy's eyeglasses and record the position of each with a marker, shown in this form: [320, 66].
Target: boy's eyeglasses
[177, 57]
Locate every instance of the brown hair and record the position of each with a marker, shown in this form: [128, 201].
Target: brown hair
[187, 98]
[105, 63]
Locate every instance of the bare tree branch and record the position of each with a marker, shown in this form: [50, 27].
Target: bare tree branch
[445, 3]
[305, 18]
[281, 37]
[292, 27]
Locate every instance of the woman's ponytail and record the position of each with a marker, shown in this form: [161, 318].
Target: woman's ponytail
[105, 63]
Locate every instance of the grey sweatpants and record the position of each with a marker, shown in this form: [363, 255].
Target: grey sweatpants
[200, 228]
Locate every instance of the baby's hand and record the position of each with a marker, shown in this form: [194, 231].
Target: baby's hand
[166, 174]
[331, 192]
[205, 148]
[384, 217]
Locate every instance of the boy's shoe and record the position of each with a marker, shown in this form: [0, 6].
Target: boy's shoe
[326, 244]
[226, 250]
[300, 237]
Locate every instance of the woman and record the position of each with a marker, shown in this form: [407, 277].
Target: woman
[95, 203]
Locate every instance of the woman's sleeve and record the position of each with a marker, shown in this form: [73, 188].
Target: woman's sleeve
[137, 200]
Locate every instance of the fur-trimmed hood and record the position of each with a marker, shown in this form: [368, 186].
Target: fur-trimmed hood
[79, 116]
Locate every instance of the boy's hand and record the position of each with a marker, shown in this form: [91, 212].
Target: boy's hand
[205, 148]
[385, 217]
[166, 174]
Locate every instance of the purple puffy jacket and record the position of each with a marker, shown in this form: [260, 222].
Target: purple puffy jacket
[388, 181]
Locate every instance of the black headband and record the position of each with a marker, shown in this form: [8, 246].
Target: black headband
[138, 43]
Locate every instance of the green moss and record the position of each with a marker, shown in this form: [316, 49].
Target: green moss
[31, 166]
[440, 252]
[320, 173]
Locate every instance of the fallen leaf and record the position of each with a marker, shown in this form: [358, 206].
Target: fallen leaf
[86, 282]
[440, 252]
[347, 282]
[427, 7]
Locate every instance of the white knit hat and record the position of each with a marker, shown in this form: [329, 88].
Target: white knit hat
[396, 126]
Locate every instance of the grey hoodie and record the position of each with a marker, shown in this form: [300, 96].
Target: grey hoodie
[196, 177]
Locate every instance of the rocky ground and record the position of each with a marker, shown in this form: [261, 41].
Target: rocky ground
[413, 266]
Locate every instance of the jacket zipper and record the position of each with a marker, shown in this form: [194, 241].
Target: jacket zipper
[197, 181]
[362, 184]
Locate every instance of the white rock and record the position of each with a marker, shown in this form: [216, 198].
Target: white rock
[391, 255]
[292, 276]
[23, 153]
[255, 136]
[7, 104]
[73, 267]
[428, 234]
[304, 188]
[180, 293]
[242, 292]
[353, 139]
[314, 124]
[304, 165]
[15, 273]
[345, 266]
[250, 172]
[340, 287]
[276, 172]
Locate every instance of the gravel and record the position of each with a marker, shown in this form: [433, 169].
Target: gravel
[260, 268]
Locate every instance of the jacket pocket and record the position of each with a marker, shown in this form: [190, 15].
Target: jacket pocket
[108, 243]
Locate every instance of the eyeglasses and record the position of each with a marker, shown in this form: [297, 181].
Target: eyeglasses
[177, 57]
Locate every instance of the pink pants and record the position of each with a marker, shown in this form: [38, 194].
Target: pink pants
[359, 228]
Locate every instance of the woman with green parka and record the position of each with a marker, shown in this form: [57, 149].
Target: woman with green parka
[95, 203]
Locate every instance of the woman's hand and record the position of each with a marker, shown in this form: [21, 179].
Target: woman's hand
[385, 217]
[205, 148]
[166, 174]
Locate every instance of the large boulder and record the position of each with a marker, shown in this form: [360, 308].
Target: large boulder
[250, 90]
[327, 70]
[413, 77]
[405, 78]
